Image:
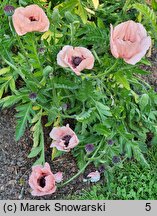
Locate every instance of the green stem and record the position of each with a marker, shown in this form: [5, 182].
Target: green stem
[68, 116]
[35, 52]
[75, 176]
[109, 70]
[106, 71]
[23, 49]
[43, 146]
[10, 25]
[71, 33]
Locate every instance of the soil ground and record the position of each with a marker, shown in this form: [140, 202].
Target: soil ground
[16, 167]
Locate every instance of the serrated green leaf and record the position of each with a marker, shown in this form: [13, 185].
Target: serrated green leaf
[9, 101]
[103, 109]
[120, 78]
[102, 129]
[144, 101]
[12, 85]
[82, 13]
[34, 152]
[4, 70]
[84, 115]
[22, 119]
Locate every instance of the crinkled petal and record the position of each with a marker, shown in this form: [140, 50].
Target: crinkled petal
[58, 177]
[73, 142]
[22, 23]
[94, 176]
[145, 44]
[113, 47]
[61, 56]
[58, 132]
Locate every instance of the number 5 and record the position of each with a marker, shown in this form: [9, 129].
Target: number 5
[148, 207]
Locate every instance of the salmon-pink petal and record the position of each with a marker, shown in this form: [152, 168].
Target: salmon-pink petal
[113, 47]
[119, 31]
[58, 144]
[145, 44]
[43, 193]
[84, 52]
[141, 31]
[42, 180]
[58, 132]
[22, 19]
[130, 31]
[127, 49]
[58, 177]
[37, 168]
[66, 56]
[47, 167]
[64, 138]
[73, 141]
[94, 176]
[61, 56]
[129, 41]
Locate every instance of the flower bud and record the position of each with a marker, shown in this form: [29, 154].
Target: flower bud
[9, 10]
[116, 159]
[33, 96]
[89, 148]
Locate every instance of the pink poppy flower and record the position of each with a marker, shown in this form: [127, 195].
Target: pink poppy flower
[94, 176]
[29, 19]
[129, 41]
[42, 180]
[77, 58]
[64, 138]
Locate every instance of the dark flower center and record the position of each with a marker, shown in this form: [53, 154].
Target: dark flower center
[76, 61]
[66, 139]
[32, 18]
[42, 181]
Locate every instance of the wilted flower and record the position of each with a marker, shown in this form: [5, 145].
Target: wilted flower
[64, 138]
[89, 148]
[77, 58]
[94, 176]
[129, 41]
[116, 159]
[29, 19]
[42, 180]
[9, 10]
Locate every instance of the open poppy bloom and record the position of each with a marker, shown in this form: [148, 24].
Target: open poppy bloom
[42, 180]
[77, 58]
[129, 41]
[64, 138]
[29, 19]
